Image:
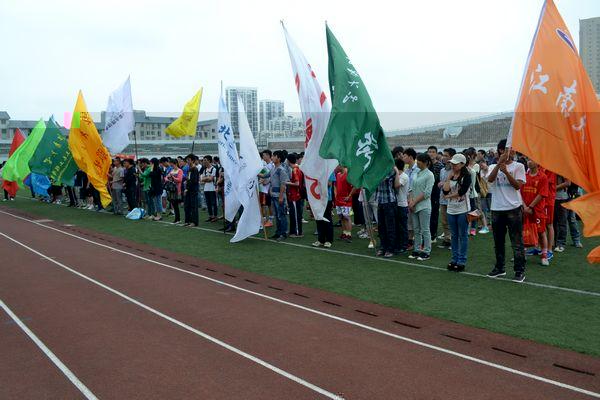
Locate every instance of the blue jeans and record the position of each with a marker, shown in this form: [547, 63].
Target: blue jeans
[150, 205]
[459, 227]
[280, 216]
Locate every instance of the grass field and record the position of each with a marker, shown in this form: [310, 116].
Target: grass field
[543, 314]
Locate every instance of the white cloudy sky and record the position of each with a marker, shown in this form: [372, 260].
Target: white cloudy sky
[430, 59]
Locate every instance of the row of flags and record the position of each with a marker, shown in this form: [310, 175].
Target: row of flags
[556, 116]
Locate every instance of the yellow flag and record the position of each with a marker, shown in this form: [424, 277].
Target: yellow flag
[186, 124]
[88, 151]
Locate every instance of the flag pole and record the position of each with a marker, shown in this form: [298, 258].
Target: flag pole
[368, 221]
[135, 145]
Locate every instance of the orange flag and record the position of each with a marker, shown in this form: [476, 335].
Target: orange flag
[557, 118]
[88, 151]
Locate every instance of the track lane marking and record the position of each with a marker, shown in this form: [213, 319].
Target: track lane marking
[59, 364]
[183, 325]
[340, 319]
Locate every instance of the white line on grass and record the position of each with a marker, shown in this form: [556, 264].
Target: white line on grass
[183, 325]
[64, 369]
[336, 318]
[423, 266]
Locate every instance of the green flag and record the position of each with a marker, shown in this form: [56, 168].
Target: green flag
[53, 157]
[17, 166]
[354, 135]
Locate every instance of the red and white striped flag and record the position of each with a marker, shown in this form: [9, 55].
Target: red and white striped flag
[315, 112]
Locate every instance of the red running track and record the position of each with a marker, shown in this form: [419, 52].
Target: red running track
[130, 327]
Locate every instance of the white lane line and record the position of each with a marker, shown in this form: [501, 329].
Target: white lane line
[64, 369]
[344, 320]
[206, 336]
[422, 266]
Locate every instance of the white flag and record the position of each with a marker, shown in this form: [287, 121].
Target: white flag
[119, 120]
[229, 160]
[315, 113]
[250, 166]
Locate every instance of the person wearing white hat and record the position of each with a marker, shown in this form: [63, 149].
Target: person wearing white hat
[456, 191]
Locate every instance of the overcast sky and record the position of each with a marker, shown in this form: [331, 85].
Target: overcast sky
[427, 60]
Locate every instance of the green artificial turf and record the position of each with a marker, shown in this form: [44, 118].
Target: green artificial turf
[556, 317]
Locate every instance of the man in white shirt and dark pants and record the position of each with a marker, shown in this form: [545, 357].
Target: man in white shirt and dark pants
[506, 179]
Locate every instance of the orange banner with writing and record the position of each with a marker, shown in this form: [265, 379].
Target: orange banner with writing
[557, 118]
[88, 151]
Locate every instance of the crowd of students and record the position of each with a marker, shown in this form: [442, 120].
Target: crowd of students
[458, 193]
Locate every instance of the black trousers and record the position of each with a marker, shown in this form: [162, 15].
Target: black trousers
[295, 208]
[402, 227]
[190, 208]
[324, 228]
[357, 208]
[175, 206]
[386, 226]
[211, 203]
[510, 221]
[435, 213]
[72, 196]
[130, 194]
[6, 196]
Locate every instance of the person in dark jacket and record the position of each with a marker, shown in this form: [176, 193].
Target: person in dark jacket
[156, 188]
[130, 184]
[190, 204]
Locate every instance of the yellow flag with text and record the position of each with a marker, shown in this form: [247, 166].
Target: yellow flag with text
[186, 124]
[89, 153]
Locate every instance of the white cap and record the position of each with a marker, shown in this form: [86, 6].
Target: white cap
[458, 158]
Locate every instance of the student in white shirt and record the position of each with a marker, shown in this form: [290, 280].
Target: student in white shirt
[209, 179]
[506, 179]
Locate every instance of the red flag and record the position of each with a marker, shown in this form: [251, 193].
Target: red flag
[9, 186]
[557, 118]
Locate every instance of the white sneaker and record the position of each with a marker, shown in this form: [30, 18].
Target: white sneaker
[545, 262]
[327, 245]
[559, 249]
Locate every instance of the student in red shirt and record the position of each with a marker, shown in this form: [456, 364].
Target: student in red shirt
[343, 201]
[535, 193]
[294, 197]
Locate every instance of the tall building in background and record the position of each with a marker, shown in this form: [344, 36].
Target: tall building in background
[268, 110]
[589, 48]
[249, 99]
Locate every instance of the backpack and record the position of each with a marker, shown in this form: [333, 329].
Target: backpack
[481, 186]
[170, 187]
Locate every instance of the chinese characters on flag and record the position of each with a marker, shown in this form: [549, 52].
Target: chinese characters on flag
[557, 118]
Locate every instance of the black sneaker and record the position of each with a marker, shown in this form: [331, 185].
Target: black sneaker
[519, 277]
[424, 257]
[451, 266]
[496, 273]
[414, 254]
[460, 268]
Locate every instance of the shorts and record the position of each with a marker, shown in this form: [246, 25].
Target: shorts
[343, 210]
[540, 222]
[549, 214]
[265, 199]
